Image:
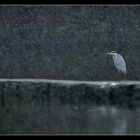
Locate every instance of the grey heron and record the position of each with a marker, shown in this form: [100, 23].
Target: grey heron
[119, 61]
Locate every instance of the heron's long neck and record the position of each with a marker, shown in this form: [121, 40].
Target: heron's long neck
[115, 55]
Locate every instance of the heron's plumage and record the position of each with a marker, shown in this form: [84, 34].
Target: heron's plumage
[119, 61]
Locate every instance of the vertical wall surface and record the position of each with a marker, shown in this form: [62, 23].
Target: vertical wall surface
[61, 107]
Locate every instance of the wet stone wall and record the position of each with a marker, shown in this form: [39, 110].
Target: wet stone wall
[63, 107]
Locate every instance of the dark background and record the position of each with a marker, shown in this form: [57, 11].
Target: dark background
[69, 42]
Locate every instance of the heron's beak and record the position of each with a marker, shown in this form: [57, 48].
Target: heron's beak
[109, 53]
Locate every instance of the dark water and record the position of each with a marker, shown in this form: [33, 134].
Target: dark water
[70, 119]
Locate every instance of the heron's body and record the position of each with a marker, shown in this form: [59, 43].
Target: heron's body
[118, 61]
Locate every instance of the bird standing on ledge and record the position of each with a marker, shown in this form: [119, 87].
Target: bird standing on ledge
[119, 62]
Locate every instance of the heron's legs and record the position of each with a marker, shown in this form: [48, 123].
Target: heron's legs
[125, 76]
[118, 73]
[121, 75]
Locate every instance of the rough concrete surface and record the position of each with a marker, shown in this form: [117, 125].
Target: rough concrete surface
[68, 107]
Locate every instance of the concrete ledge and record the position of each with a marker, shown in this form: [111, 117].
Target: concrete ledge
[31, 106]
[41, 91]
